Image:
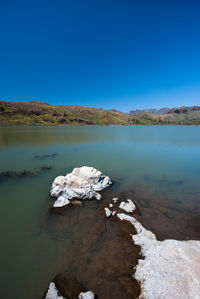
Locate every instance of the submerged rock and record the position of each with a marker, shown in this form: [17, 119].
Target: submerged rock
[82, 183]
[11, 174]
[77, 203]
[128, 206]
[45, 156]
[170, 268]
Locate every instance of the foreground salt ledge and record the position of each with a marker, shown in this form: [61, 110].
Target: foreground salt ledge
[170, 269]
[83, 183]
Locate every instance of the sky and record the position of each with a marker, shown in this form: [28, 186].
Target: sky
[122, 55]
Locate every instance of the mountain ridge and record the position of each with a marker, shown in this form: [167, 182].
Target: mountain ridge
[41, 113]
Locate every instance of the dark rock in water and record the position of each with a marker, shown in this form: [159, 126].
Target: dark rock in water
[77, 203]
[44, 167]
[10, 174]
[45, 156]
[15, 174]
[69, 287]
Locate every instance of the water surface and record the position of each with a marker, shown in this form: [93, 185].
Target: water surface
[158, 167]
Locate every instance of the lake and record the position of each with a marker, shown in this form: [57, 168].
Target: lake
[156, 166]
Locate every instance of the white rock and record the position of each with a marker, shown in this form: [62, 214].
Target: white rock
[115, 199]
[82, 183]
[110, 205]
[170, 268]
[108, 212]
[86, 295]
[128, 206]
[113, 213]
[52, 292]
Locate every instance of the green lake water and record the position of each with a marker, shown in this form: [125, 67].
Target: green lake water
[158, 163]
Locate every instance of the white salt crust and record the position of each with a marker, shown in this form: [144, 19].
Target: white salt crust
[170, 268]
[83, 183]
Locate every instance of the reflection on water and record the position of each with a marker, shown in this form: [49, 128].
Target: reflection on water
[159, 167]
[46, 136]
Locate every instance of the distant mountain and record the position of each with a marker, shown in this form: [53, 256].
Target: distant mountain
[184, 109]
[149, 111]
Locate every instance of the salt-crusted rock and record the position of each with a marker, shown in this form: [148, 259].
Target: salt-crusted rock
[53, 293]
[86, 295]
[82, 183]
[170, 268]
[108, 212]
[61, 201]
[115, 199]
[128, 206]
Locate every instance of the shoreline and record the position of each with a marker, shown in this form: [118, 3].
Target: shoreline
[127, 232]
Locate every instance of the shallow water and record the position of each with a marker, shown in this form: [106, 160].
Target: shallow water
[159, 167]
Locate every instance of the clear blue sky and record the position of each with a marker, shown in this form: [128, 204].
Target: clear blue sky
[109, 54]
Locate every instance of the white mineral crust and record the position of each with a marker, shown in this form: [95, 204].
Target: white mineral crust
[86, 295]
[82, 183]
[108, 212]
[128, 206]
[52, 292]
[170, 268]
[115, 199]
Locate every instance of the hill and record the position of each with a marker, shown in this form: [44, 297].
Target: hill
[40, 113]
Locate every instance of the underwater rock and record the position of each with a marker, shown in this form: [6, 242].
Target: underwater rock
[11, 174]
[45, 156]
[77, 203]
[44, 167]
[15, 174]
[82, 183]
